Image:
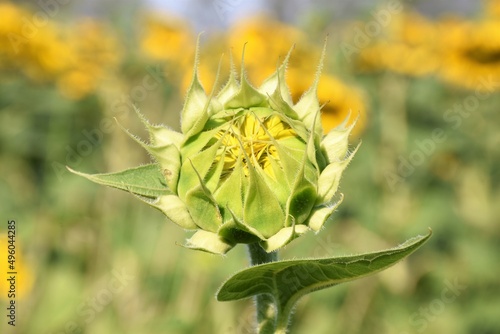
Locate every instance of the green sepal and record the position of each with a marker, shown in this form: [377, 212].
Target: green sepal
[208, 242]
[335, 144]
[329, 178]
[167, 156]
[291, 153]
[303, 194]
[277, 102]
[297, 126]
[320, 214]
[230, 192]
[280, 182]
[313, 143]
[276, 85]
[308, 105]
[160, 135]
[213, 177]
[235, 234]
[247, 96]
[146, 180]
[194, 114]
[235, 224]
[202, 162]
[231, 88]
[214, 105]
[197, 143]
[301, 202]
[174, 209]
[277, 183]
[205, 212]
[203, 207]
[262, 210]
[283, 237]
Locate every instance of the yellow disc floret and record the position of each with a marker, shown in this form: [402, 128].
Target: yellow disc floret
[252, 141]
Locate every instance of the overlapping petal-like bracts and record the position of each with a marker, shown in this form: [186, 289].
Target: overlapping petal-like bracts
[249, 165]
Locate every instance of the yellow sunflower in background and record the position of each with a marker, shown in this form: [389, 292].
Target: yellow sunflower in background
[96, 53]
[76, 58]
[168, 38]
[266, 41]
[339, 100]
[36, 51]
[24, 277]
[263, 52]
[407, 47]
[492, 9]
[470, 52]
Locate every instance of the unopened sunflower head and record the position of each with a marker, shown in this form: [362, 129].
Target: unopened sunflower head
[249, 166]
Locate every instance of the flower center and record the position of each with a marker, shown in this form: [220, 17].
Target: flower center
[251, 140]
[483, 56]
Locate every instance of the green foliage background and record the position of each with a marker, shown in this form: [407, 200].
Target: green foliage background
[76, 237]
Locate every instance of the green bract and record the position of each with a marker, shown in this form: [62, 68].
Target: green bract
[249, 165]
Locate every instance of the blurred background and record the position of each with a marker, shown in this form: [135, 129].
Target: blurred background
[424, 78]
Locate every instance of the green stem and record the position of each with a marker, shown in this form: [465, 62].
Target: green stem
[265, 308]
[282, 324]
[259, 256]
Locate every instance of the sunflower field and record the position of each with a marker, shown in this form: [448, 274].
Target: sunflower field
[421, 81]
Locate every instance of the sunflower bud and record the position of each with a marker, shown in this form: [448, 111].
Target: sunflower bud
[249, 165]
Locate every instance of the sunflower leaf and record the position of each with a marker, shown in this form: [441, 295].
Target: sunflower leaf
[288, 281]
[147, 180]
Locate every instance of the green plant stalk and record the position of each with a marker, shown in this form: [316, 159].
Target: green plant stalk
[264, 303]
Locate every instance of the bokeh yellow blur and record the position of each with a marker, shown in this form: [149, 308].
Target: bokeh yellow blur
[423, 86]
[24, 277]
